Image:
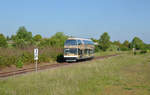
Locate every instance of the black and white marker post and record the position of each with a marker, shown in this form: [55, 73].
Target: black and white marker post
[36, 58]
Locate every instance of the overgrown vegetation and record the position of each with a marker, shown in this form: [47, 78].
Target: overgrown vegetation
[18, 50]
[21, 45]
[11, 56]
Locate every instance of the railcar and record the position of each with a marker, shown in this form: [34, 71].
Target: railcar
[77, 49]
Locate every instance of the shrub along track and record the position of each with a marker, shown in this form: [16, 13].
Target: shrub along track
[31, 69]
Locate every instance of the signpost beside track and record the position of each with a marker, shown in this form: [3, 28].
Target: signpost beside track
[36, 57]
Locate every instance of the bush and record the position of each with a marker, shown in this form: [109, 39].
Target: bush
[7, 60]
[10, 56]
[123, 48]
[27, 57]
[44, 58]
[97, 49]
[10, 60]
[60, 58]
[1, 62]
[143, 51]
[113, 48]
[19, 64]
[3, 41]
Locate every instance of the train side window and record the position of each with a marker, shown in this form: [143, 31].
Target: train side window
[88, 42]
[79, 42]
[85, 42]
[70, 42]
[80, 52]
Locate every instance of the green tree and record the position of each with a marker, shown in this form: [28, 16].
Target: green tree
[148, 46]
[23, 38]
[117, 43]
[125, 46]
[137, 43]
[104, 41]
[126, 43]
[45, 42]
[22, 33]
[94, 40]
[56, 40]
[20, 43]
[13, 37]
[37, 37]
[3, 41]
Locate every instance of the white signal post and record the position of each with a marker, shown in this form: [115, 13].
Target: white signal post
[36, 57]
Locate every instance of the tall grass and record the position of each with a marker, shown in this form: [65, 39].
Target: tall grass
[10, 56]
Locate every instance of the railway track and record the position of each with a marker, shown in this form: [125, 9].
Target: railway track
[32, 69]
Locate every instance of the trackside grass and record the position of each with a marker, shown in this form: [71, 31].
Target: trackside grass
[120, 75]
[101, 53]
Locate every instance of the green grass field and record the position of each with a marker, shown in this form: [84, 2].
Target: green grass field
[102, 53]
[120, 75]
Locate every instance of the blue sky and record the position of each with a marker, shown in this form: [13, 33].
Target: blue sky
[122, 19]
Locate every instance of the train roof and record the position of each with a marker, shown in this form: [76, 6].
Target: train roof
[79, 39]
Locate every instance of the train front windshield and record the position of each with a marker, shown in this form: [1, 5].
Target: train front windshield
[70, 51]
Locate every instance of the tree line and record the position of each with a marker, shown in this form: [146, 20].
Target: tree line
[24, 38]
[104, 43]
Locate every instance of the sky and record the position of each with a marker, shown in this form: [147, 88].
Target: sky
[122, 19]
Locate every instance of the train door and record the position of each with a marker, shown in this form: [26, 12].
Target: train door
[79, 49]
